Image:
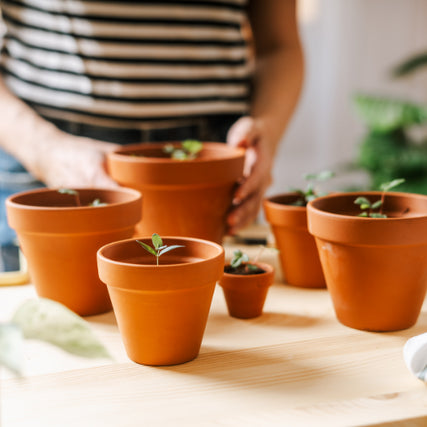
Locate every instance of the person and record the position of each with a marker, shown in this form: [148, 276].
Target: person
[77, 78]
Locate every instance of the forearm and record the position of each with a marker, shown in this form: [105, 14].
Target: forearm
[277, 86]
[23, 133]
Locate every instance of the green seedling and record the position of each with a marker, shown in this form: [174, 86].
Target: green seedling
[158, 248]
[240, 263]
[311, 193]
[76, 195]
[369, 208]
[188, 150]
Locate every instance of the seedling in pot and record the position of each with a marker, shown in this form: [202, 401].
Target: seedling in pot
[240, 263]
[158, 248]
[188, 150]
[375, 209]
[311, 193]
[96, 202]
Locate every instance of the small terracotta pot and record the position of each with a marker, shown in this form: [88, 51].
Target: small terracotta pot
[375, 268]
[188, 198]
[161, 310]
[245, 294]
[298, 254]
[60, 241]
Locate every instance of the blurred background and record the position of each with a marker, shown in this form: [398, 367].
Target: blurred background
[352, 47]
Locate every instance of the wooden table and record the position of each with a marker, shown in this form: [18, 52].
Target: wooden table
[293, 366]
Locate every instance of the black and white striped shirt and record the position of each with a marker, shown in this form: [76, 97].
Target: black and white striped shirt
[126, 63]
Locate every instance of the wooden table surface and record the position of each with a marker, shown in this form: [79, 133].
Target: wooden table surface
[293, 366]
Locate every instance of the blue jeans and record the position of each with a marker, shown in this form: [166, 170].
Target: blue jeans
[14, 178]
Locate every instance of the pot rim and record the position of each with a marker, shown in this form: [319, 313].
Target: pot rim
[272, 202]
[356, 230]
[122, 153]
[269, 269]
[13, 202]
[176, 239]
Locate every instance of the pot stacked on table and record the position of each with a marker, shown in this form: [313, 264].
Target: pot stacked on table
[60, 240]
[375, 268]
[298, 254]
[161, 310]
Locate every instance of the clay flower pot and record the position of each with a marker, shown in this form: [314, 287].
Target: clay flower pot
[60, 241]
[375, 268]
[245, 294]
[161, 310]
[298, 254]
[188, 198]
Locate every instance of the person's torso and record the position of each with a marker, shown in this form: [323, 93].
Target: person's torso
[124, 63]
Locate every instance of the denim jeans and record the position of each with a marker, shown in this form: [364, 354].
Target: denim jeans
[14, 178]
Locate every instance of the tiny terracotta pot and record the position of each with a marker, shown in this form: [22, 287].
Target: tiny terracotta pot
[245, 294]
[60, 240]
[161, 310]
[375, 268]
[188, 198]
[298, 254]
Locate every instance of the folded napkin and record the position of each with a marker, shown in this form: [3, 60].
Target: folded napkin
[415, 356]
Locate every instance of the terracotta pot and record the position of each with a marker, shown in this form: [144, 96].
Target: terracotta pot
[298, 254]
[375, 268]
[245, 294]
[188, 198]
[161, 310]
[60, 240]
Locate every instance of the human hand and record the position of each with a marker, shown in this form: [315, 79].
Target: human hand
[251, 134]
[65, 160]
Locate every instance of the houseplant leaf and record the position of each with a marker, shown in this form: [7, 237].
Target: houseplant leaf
[50, 321]
[385, 115]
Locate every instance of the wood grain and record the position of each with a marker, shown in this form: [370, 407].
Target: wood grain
[293, 366]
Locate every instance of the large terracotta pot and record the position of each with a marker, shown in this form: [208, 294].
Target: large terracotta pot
[375, 268]
[298, 254]
[60, 241]
[188, 198]
[245, 294]
[161, 310]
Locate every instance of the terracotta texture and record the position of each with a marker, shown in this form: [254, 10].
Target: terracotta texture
[375, 268]
[60, 241]
[188, 198]
[298, 255]
[161, 310]
[245, 294]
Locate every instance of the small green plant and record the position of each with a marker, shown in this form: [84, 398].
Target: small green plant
[311, 193]
[240, 263]
[369, 208]
[188, 150]
[76, 195]
[158, 248]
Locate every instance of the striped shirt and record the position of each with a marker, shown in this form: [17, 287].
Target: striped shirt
[126, 63]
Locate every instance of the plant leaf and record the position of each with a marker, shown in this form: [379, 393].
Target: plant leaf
[387, 186]
[377, 204]
[11, 347]
[147, 248]
[168, 148]
[179, 155]
[377, 215]
[169, 248]
[68, 191]
[363, 202]
[385, 115]
[47, 320]
[192, 146]
[157, 241]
